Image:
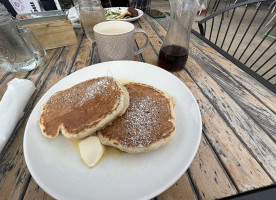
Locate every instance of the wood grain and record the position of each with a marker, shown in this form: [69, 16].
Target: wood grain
[243, 169]
[246, 100]
[209, 176]
[84, 55]
[34, 192]
[7, 78]
[251, 135]
[237, 151]
[267, 97]
[242, 185]
[14, 174]
[164, 22]
[64, 64]
[182, 189]
[12, 162]
[149, 55]
[174, 191]
[156, 41]
[54, 34]
[157, 27]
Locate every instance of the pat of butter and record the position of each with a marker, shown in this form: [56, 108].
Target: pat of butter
[91, 150]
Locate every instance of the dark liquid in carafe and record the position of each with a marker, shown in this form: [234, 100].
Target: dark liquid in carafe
[172, 57]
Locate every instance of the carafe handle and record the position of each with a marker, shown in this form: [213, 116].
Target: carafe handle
[35, 42]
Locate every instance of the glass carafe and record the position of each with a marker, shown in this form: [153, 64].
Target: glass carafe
[91, 13]
[20, 49]
[174, 52]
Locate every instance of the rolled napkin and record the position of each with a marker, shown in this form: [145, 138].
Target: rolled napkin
[12, 106]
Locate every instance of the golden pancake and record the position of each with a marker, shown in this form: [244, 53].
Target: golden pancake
[84, 108]
[147, 124]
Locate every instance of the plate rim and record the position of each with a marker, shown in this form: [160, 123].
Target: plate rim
[152, 194]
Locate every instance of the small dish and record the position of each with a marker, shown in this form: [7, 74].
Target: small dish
[140, 14]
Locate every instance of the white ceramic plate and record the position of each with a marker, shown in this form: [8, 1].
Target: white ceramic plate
[140, 14]
[57, 168]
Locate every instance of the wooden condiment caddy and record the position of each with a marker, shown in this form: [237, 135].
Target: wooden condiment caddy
[52, 31]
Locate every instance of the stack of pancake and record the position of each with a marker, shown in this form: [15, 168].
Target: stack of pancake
[132, 117]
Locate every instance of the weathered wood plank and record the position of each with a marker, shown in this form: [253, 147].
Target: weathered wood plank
[40, 74]
[229, 143]
[253, 137]
[253, 107]
[63, 63]
[13, 167]
[209, 177]
[160, 31]
[241, 166]
[14, 176]
[251, 84]
[236, 151]
[3, 73]
[34, 192]
[182, 189]
[54, 34]
[95, 55]
[256, 88]
[10, 75]
[164, 22]
[7, 79]
[157, 27]
[247, 181]
[149, 55]
[36, 78]
[156, 41]
[83, 58]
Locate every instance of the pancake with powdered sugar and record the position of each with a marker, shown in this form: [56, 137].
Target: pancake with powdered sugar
[83, 109]
[147, 124]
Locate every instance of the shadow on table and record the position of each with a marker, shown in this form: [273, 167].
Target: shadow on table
[266, 193]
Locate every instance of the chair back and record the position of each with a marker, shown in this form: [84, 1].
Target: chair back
[245, 33]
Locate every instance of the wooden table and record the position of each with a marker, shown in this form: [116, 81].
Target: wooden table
[237, 151]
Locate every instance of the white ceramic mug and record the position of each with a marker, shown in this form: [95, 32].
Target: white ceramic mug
[115, 40]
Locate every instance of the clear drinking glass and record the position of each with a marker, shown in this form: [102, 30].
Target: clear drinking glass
[91, 13]
[20, 49]
[174, 52]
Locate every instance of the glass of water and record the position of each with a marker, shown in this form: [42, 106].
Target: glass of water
[91, 13]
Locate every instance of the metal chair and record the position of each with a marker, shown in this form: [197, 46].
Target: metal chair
[216, 4]
[240, 37]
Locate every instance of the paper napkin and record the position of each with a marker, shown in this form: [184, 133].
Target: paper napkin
[12, 106]
[73, 16]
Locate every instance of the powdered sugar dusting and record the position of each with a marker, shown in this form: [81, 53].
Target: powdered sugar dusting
[97, 88]
[83, 93]
[141, 120]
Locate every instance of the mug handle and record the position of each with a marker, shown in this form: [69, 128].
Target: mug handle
[34, 39]
[139, 30]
